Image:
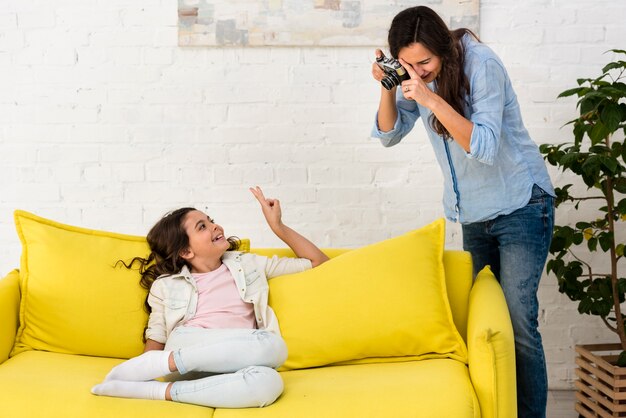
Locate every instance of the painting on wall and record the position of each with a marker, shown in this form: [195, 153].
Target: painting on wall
[304, 22]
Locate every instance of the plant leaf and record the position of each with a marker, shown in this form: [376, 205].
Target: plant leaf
[620, 185]
[571, 92]
[606, 241]
[611, 116]
[599, 132]
[610, 164]
[613, 65]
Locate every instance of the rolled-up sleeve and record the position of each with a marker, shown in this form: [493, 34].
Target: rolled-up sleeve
[488, 101]
[408, 113]
[156, 322]
[278, 266]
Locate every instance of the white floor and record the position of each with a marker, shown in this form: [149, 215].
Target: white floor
[561, 404]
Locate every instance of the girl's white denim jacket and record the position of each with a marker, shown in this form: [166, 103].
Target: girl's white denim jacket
[174, 298]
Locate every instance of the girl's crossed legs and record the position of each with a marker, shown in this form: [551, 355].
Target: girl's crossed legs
[244, 358]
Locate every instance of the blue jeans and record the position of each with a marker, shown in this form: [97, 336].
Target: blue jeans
[516, 246]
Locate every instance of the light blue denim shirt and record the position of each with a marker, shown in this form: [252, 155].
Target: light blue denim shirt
[496, 177]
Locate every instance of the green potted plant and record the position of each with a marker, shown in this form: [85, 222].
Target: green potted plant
[597, 156]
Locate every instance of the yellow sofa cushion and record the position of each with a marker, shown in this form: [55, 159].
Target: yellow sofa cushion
[384, 300]
[74, 299]
[38, 384]
[431, 388]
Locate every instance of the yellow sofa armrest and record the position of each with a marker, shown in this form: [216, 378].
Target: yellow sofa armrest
[9, 312]
[491, 348]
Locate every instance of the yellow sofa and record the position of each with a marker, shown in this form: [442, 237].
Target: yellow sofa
[365, 338]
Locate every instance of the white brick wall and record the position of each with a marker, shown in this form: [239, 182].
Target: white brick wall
[106, 123]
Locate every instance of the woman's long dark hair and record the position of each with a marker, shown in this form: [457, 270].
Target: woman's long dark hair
[422, 25]
[167, 240]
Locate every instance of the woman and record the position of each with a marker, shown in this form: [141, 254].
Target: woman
[495, 181]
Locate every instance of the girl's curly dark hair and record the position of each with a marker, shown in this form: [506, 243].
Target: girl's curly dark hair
[167, 240]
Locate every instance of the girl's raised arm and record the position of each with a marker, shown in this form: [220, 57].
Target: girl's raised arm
[301, 246]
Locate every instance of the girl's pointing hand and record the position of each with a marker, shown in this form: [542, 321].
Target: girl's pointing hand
[270, 207]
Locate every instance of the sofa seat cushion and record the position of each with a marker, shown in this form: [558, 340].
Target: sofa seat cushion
[44, 384]
[425, 388]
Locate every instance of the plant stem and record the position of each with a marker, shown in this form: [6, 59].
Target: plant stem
[616, 303]
[587, 198]
[611, 327]
[590, 275]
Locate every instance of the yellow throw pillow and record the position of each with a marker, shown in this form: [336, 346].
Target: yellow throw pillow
[384, 300]
[74, 298]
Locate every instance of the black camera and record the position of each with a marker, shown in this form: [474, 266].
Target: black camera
[394, 72]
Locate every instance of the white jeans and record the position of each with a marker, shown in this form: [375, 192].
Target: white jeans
[242, 361]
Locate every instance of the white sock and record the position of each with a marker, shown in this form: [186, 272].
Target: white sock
[148, 366]
[138, 390]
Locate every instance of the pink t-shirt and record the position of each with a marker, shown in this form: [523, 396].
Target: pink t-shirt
[219, 303]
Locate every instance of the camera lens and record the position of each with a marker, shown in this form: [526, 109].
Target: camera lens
[387, 82]
[390, 81]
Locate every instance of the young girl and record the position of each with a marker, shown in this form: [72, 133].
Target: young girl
[209, 313]
[495, 181]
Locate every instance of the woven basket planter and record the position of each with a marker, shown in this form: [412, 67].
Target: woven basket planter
[601, 386]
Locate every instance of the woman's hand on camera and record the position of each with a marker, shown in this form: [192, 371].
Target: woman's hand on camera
[415, 88]
[377, 72]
